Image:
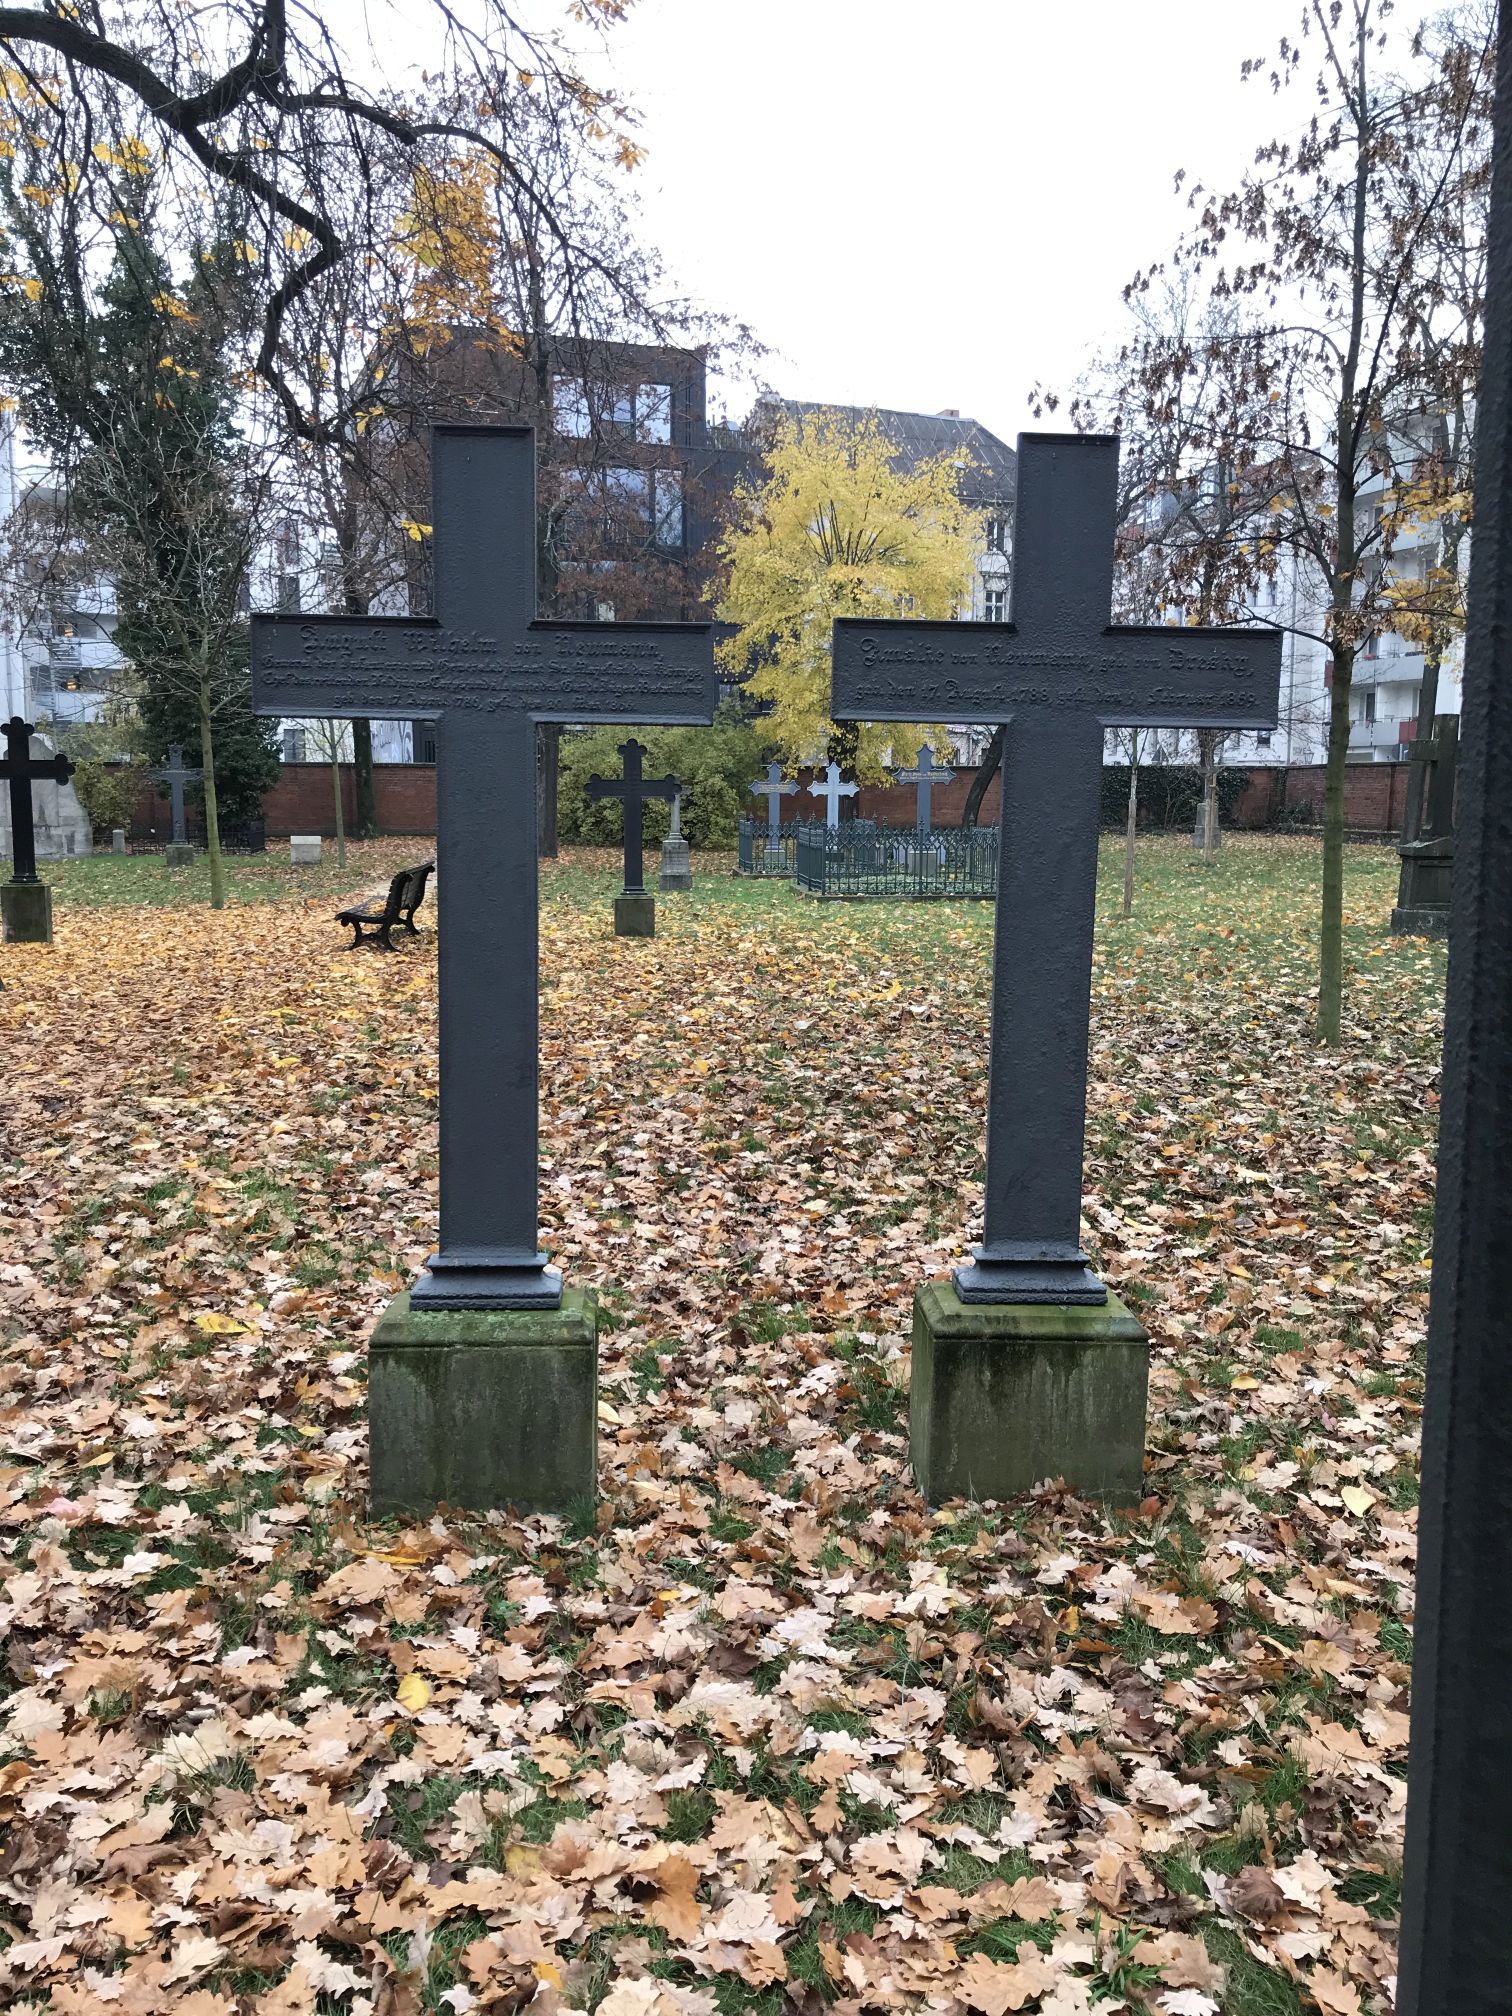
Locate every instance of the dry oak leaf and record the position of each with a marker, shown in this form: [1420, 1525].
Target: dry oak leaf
[1182, 1959]
[1175, 1617]
[1256, 1893]
[1332, 1993]
[1027, 1897]
[676, 1908]
[993, 1988]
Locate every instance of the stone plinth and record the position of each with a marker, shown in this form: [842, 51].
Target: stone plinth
[1007, 1394]
[304, 850]
[179, 854]
[118, 839]
[484, 1408]
[26, 913]
[1422, 905]
[676, 865]
[635, 916]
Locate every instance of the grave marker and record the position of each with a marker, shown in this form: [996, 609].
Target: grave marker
[925, 774]
[26, 900]
[773, 788]
[483, 1377]
[831, 790]
[635, 907]
[179, 854]
[676, 861]
[1426, 848]
[1024, 1366]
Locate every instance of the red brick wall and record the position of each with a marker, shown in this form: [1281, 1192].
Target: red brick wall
[302, 800]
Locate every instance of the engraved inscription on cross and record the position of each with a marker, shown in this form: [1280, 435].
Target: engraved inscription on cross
[1058, 674]
[486, 670]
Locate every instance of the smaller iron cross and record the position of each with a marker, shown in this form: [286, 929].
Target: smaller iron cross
[634, 789]
[831, 790]
[772, 790]
[23, 770]
[926, 775]
[175, 776]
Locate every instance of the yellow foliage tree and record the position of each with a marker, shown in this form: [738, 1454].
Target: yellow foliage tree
[835, 528]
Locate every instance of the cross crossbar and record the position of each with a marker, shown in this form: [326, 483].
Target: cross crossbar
[22, 770]
[634, 789]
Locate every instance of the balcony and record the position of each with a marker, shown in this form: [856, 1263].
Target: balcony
[1376, 741]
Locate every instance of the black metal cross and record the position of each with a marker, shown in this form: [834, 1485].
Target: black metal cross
[176, 776]
[23, 769]
[1058, 675]
[634, 789]
[925, 774]
[486, 670]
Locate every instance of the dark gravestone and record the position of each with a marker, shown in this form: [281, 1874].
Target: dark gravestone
[635, 907]
[1427, 844]
[26, 900]
[486, 671]
[176, 775]
[925, 774]
[1457, 1876]
[1058, 675]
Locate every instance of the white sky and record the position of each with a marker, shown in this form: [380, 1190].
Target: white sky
[932, 203]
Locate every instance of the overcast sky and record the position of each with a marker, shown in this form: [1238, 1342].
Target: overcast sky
[936, 203]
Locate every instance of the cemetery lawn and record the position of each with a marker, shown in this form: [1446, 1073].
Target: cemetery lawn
[759, 1730]
[106, 881]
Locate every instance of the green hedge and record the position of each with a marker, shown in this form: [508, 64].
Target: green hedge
[715, 764]
[1169, 794]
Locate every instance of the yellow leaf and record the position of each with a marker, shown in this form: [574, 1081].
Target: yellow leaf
[413, 1693]
[1357, 1498]
[523, 1860]
[1244, 1384]
[214, 1324]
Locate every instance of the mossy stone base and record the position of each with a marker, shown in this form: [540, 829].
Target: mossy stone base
[179, 854]
[1007, 1394]
[26, 913]
[635, 916]
[484, 1408]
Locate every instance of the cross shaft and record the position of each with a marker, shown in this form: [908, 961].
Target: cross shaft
[634, 789]
[22, 770]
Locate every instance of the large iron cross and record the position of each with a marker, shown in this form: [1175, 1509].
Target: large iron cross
[634, 788]
[23, 769]
[486, 670]
[1058, 674]
[176, 776]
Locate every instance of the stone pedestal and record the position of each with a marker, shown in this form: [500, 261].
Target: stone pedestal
[1422, 905]
[118, 839]
[1007, 1394]
[676, 865]
[179, 854]
[484, 1408]
[635, 916]
[26, 913]
[304, 850]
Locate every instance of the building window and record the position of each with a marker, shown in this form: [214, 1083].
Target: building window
[423, 741]
[997, 535]
[288, 594]
[995, 605]
[669, 507]
[1365, 707]
[293, 745]
[569, 407]
[1263, 738]
[653, 415]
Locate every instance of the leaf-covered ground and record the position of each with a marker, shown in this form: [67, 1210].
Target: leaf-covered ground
[760, 1730]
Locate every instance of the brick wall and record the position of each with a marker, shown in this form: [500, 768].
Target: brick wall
[302, 800]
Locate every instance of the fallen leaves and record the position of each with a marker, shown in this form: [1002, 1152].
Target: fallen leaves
[763, 1721]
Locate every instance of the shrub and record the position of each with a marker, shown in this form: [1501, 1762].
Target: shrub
[715, 765]
[109, 792]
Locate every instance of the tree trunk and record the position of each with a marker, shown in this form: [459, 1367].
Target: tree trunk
[548, 753]
[365, 825]
[333, 730]
[212, 809]
[1133, 820]
[992, 757]
[1207, 743]
[1331, 926]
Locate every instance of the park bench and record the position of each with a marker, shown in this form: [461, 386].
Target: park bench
[406, 892]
